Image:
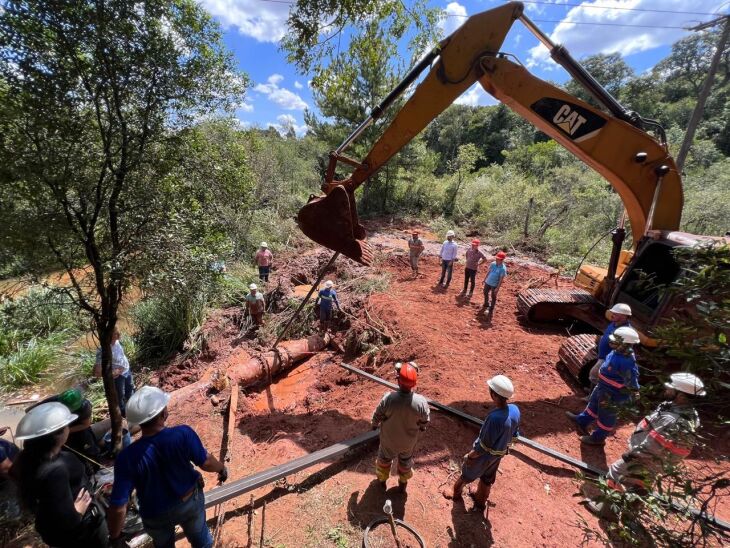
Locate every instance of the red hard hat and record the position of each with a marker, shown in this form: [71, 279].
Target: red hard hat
[475, 241]
[407, 375]
[501, 255]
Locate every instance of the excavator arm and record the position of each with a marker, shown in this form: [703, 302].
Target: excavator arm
[613, 142]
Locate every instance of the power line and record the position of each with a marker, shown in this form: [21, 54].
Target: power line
[567, 4]
[587, 23]
[613, 8]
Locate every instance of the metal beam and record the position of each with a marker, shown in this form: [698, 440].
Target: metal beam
[240, 487]
[542, 449]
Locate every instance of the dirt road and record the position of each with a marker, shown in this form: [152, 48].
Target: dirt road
[534, 500]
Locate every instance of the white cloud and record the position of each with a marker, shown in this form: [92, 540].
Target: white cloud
[275, 79]
[286, 122]
[476, 96]
[283, 97]
[245, 107]
[582, 40]
[298, 85]
[264, 21]
[453, 17]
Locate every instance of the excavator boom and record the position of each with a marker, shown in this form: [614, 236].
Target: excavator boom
[613, 143]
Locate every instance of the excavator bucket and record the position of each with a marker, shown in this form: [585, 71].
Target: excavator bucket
[332, 221]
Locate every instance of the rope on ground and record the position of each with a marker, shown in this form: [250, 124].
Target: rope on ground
[315, 285]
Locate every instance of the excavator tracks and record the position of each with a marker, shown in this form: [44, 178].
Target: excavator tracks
[550, 305]
[577, 353]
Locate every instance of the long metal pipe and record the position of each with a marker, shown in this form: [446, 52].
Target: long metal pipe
[546, 450]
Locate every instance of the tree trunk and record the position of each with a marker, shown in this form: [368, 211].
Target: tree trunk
[105, 332]
[525, 230]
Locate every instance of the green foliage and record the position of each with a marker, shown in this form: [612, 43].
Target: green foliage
[35, 332]
[166, 324]
[24, 361]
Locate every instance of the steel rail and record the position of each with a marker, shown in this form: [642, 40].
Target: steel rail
[584, 466]
[240, 487]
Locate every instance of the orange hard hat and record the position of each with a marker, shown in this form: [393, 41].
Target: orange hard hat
[475, 241]
[407, 374]
[501, 255]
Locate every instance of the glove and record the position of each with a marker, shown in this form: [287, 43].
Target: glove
[223, 475]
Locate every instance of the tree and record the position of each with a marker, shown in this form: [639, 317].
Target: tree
[93, 96]
[466, 160]
[610, 70]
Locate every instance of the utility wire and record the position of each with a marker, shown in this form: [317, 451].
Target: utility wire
[572, 5]
[617, 8]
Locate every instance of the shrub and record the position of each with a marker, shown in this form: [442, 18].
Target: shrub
[25, 361]
[39, 312]
[165, 324]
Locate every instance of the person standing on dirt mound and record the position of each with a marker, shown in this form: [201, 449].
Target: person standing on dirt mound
[415, 248]
[495, 275]
[255, 304]
[619, 314]
[474, 258]
[618, 378]
[264, 259]
[325, 298]
[448, 253]
[660, 441]
[159, 465]
[497, 434]
[401, 415]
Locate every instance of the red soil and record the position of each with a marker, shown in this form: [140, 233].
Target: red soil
[533, 502]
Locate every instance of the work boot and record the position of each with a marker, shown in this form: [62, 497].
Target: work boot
[572, 416]
[481, 495]
[588, 440]
[603, 510]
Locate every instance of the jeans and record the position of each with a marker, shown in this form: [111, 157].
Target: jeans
[125, 388]
[489, 290]
[447, 269]
[190, 515]
[470, 276]
[264, 273]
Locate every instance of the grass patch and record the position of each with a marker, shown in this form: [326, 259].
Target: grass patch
[26, 361]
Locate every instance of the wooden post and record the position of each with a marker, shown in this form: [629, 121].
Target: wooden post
[704, 93]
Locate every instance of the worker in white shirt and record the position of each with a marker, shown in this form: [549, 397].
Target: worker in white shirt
[447, 254]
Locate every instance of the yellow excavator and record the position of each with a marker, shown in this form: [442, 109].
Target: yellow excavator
[612, 140]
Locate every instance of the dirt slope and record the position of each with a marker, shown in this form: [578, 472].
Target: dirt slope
[534, 502]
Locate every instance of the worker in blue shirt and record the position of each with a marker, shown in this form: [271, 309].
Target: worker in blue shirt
[448, 253]
[497, 434]
[496, 273]
[325, 299]
[619, 314]
[618, 378]
[159, 466]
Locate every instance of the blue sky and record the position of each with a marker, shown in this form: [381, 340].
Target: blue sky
[279, 96]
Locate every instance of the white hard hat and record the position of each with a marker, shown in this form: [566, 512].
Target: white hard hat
[621, 308]
[329, 283]
[626, 334]
[502, 386]
[253, 286]
[398, 365]
[450, 233]
[264, 244]
[44, 419]
[145, 404]
[687, 383]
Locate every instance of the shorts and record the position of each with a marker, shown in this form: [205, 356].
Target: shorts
[484, 468]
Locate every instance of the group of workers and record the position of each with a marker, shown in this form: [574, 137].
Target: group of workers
[55, 482]
[474, 257]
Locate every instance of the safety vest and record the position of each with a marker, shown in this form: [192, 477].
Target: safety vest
[669, 433]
